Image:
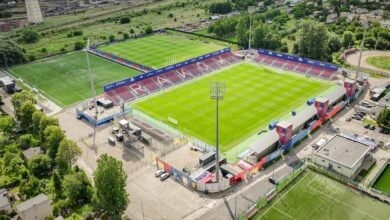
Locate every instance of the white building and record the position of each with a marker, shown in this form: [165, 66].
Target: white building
[342, 155]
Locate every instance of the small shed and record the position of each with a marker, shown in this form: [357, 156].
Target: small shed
[32, 152]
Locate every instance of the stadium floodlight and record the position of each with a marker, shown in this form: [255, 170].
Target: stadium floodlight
[217, 91]
[251, 10]
[92, 91]
[364, 23]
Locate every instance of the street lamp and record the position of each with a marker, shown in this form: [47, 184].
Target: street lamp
[364, 22]
[217, 90]
[92, 90]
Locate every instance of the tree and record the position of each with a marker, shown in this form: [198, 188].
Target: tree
[36, 120]
[22, 97]
[111, 38]
[27, 140]
[25, 115]
[68, 152]
[124, 20]
[57, 184]
[30, 188]
[383, 119]
[39, 165]
[7, 124]
[334, 43]
[348, 39]
[14, 166]
[30, 36]
[53, 137]
[79, 45]
[109, 172]
[76, 186]
[242, 32]
[46, 122]
[313, 40]
[220, 7]
[10, 53]
[148, 30]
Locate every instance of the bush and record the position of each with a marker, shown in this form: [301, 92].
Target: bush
[78, 45]
[111, 38]
[170, 15]
[78, 33]
[31, 58]
[131, 31]
[148, 30]
[125, 36]
[30, 36]
[124, 20]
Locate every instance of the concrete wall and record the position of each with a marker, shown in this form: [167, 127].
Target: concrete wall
[346, 171]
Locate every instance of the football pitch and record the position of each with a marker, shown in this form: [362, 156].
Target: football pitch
[314, 196]
[383, 182]
[255, 96]
[65, 79]
[160, 50]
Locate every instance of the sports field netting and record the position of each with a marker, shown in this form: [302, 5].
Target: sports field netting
[383, 182]
[65, 79]
[313, 196]
[160, 50]
[254, 97]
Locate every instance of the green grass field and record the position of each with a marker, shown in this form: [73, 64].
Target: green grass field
[65, 79]
[160, 50]
[381, 62]
[314, 196]
[383, 182]
[255, 96]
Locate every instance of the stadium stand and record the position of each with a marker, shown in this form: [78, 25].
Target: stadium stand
[308, 69]
[164, 80]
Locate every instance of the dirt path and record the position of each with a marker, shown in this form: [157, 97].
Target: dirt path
[353, 59]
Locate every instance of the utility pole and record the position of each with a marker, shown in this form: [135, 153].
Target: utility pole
[217, 90]
[93, 92]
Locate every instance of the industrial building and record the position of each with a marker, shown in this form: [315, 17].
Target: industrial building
[343, 155]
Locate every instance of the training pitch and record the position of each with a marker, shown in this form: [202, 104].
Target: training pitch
[383, 182]
[160, 50]
[65, 79]
[255, 96]
[314, 196]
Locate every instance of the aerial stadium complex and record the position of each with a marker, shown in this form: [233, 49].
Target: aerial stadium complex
[271, 102]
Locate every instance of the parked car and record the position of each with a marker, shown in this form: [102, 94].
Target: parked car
[159, 173]
[381, 130]
[348, 119]
[372, 127]
[357, 118]
[367, 126]
[386, 132]
[164, 176]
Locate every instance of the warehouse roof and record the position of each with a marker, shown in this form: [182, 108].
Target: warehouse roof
[343, 150]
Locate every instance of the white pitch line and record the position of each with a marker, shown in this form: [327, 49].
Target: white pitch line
[284, 213]
[283, 196]
[339, 201]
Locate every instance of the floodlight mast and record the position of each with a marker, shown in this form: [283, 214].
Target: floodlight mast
[217, 91]
[251, 10]
[364, 22]
[92, 90]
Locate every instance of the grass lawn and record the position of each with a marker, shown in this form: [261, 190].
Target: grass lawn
[383, 182]
[160, 50]
[254, 97]
[65, 79]
[314, 196]
[381, 62]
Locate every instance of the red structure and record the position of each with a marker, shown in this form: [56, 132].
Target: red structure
[322, 105]
[284, 129]
[350, 86]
